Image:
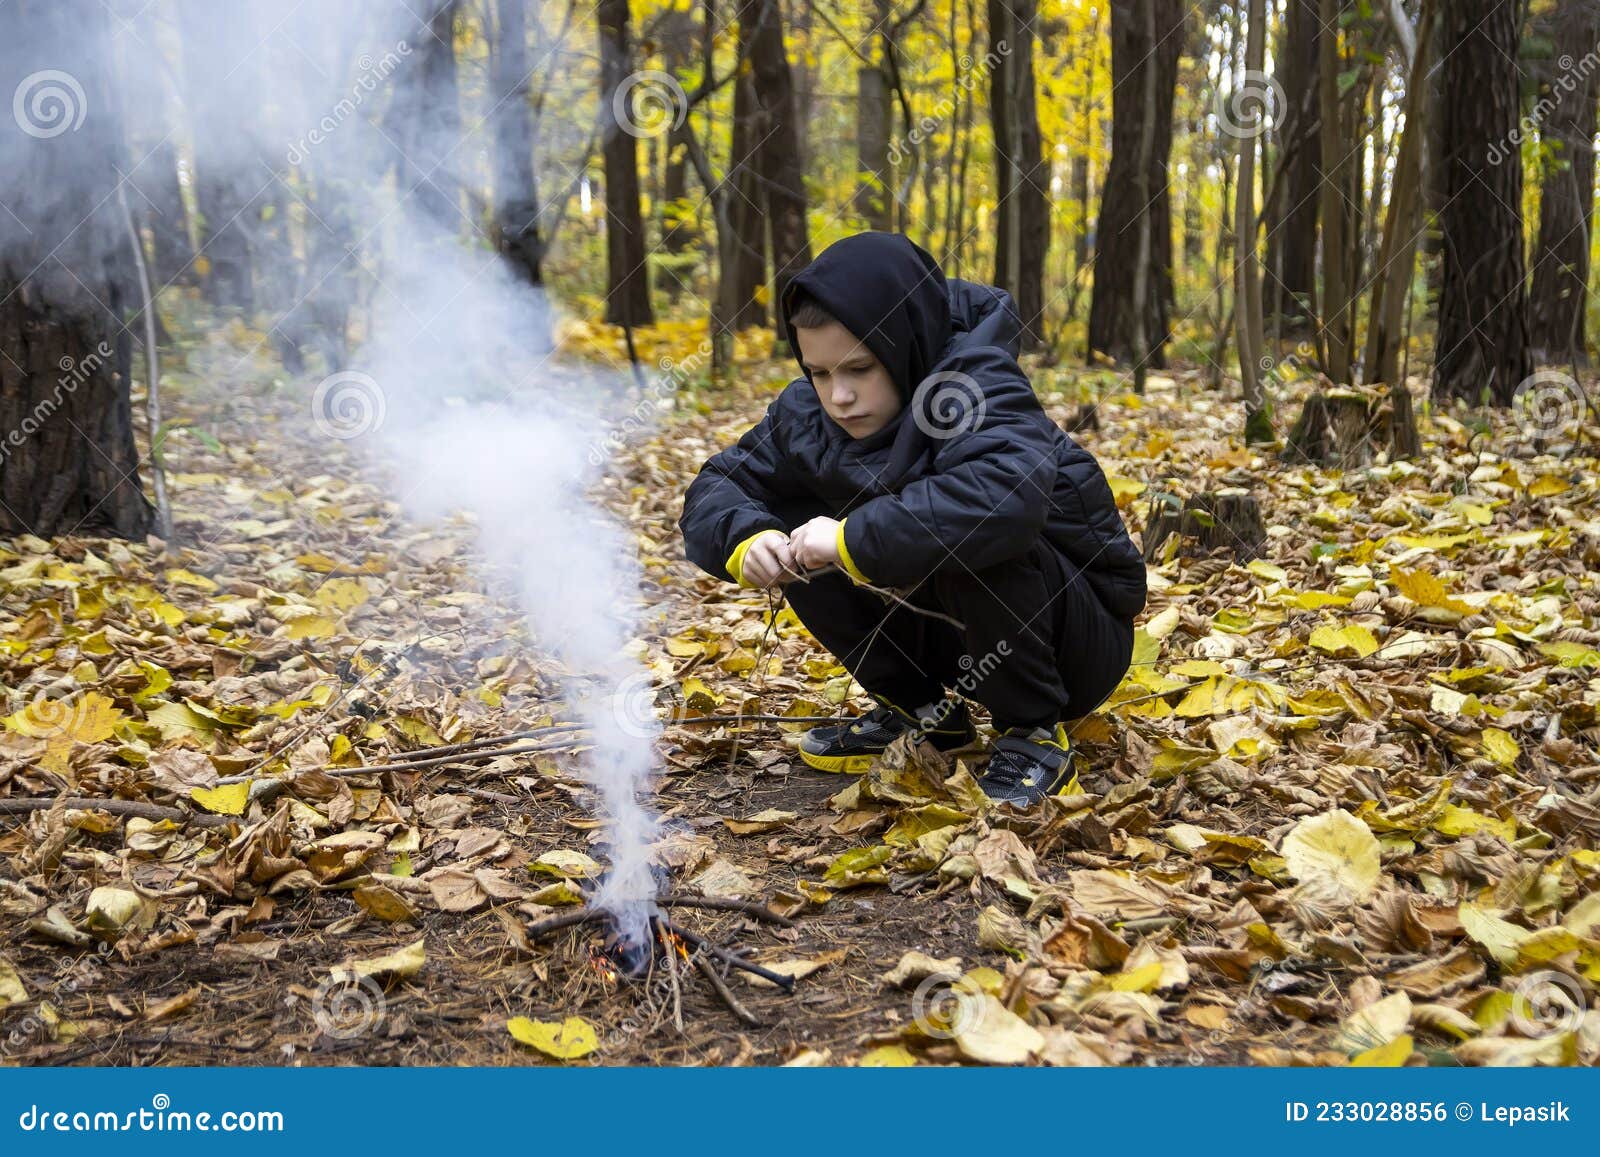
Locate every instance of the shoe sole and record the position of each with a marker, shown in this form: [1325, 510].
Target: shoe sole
[839, 764]
[859, 764]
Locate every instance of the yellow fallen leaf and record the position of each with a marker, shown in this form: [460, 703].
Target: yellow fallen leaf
[341, 594]
[1352, 638]
[12, 990]
[228, 800]
[1385, 1056]
[1500, 746]
[887, 1057]
[405, 962]
[566, 1040]
[1335, 850]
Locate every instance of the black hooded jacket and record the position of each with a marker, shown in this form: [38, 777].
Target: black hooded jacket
[972, 471]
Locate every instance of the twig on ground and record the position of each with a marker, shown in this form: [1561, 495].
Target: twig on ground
[709, 971]
[116, 807]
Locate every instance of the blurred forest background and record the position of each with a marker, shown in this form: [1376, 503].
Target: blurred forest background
[1365, 189]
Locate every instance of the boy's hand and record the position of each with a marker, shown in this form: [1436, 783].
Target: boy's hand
[816, 544]
[770, 561]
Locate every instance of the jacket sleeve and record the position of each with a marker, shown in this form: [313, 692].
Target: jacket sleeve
[986, 500]
[730, 500]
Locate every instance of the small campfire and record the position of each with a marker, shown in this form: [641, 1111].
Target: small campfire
[669, 945]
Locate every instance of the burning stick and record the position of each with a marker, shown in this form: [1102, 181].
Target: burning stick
[732, 958]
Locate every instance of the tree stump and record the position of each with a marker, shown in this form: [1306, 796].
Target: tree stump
[1227, 520]
[1349, 428]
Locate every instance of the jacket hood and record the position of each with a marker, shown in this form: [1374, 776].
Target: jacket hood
[886, 290]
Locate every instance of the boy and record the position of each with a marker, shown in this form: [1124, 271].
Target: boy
[914, 455]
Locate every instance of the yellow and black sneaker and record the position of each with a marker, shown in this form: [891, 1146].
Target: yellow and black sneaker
[1029, 764]
[852, 745]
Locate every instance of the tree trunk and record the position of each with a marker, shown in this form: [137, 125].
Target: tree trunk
[1247, 261]
[218, 64]
[744, 272]
[874, 114]
[1397, 257]
[1292, 235]
[1225, 520]
[68, 462]
[780, 156]
[1347, 429]
[1483, 327]
[516, 191]
[1558, 304]
[627, 273]
[1338, 323]
[1022, 234]
[1111, 329]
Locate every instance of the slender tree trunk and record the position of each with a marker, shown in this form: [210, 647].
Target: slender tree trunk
[780, 128]
[1247, 263]
[745, 272]
[516, 191]
[874, 199]
[1022, 236]
[1558, 304]
[1398, 253]
[627, 273]
[425, 119]
[1292, 236]
[68, 462]
[1117, 236]
[218, 51]
[1483, 326]
[1337, 315]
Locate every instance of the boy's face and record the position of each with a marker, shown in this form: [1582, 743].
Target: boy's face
[851, 383]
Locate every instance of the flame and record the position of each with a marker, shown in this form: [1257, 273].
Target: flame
[672, 942]
[603, 967]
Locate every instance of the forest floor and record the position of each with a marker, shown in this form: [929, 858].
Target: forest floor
[1343, 809]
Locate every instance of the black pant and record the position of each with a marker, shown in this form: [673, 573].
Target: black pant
[1036, 646]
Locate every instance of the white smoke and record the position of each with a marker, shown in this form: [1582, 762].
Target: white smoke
[307, 107]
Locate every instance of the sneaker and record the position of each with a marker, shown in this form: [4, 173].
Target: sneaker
[851, 746]
[1027, 765]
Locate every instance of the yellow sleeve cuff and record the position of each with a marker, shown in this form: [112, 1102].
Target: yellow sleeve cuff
[846, 561]
[735, 563]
